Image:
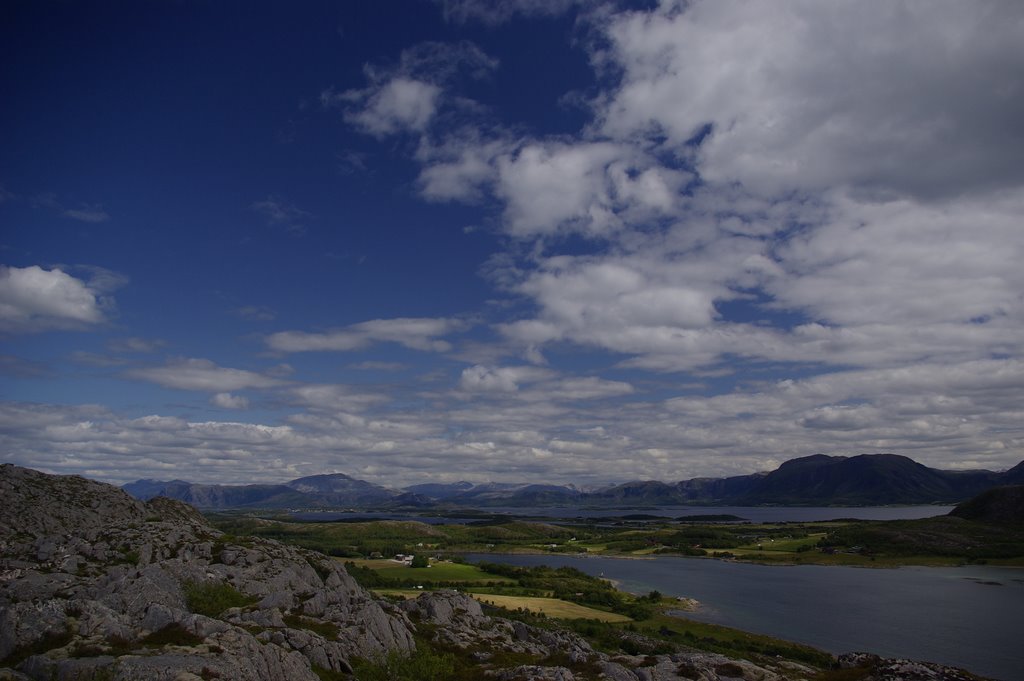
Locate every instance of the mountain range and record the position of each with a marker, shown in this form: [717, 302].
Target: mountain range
[818, 480]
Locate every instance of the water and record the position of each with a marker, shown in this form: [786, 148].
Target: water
[756, 514]
[970, 617]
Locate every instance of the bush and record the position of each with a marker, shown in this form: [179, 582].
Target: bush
[213, 598]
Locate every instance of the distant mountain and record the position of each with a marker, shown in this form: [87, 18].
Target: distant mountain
[219, 496]
[818, 480]
[868, 479]
[342, 490]
[440, 491]
[317, 491]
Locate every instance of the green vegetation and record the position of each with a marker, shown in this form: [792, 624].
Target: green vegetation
[507, 583]
[213, 598]
[943, 537]
[437, 572]
[423, 664]
[324, 628]
[944, 540]
[436, 661]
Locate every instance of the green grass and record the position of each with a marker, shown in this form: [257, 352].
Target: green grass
[443, 572]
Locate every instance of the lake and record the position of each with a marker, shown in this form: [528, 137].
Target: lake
[970, 617]
[756, 514]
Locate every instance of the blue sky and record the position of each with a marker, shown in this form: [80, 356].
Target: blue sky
[560, 241]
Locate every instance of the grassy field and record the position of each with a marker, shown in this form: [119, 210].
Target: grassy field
[439, 571]
[551, 607]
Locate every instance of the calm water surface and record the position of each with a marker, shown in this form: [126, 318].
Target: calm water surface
[971, 617]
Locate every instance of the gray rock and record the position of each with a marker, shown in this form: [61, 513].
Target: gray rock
[90, 570]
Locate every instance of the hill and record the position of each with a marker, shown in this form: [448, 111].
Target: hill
[999, 506]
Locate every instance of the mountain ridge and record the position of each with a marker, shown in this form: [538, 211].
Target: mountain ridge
[816, 480]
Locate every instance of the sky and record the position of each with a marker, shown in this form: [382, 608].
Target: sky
[547, 241]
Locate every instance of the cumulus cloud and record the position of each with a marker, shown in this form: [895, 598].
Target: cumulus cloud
[408, 96]
[34, 299]
[593, 187]
[203, 375]
[477, 378]
[914, 99]
[415, 333]
[229, 401]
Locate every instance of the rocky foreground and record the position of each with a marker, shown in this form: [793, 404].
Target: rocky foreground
[97, 585]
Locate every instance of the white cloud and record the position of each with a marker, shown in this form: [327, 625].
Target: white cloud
[534, 385]
[407, 97]
[334, 397]
[203, 375]
[594, 187]
[919, 99]
[461, 168]
[302, 341]
[481, 379]
[33, 299]
[401, 104]
[229, 401]
[415, 333]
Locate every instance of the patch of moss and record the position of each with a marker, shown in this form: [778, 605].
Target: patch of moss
[328, 630]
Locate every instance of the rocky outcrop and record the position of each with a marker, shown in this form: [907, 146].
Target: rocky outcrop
[875, 668]
[91, 578]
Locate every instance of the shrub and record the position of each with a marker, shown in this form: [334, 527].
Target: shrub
[213, 598]
[422, 665]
